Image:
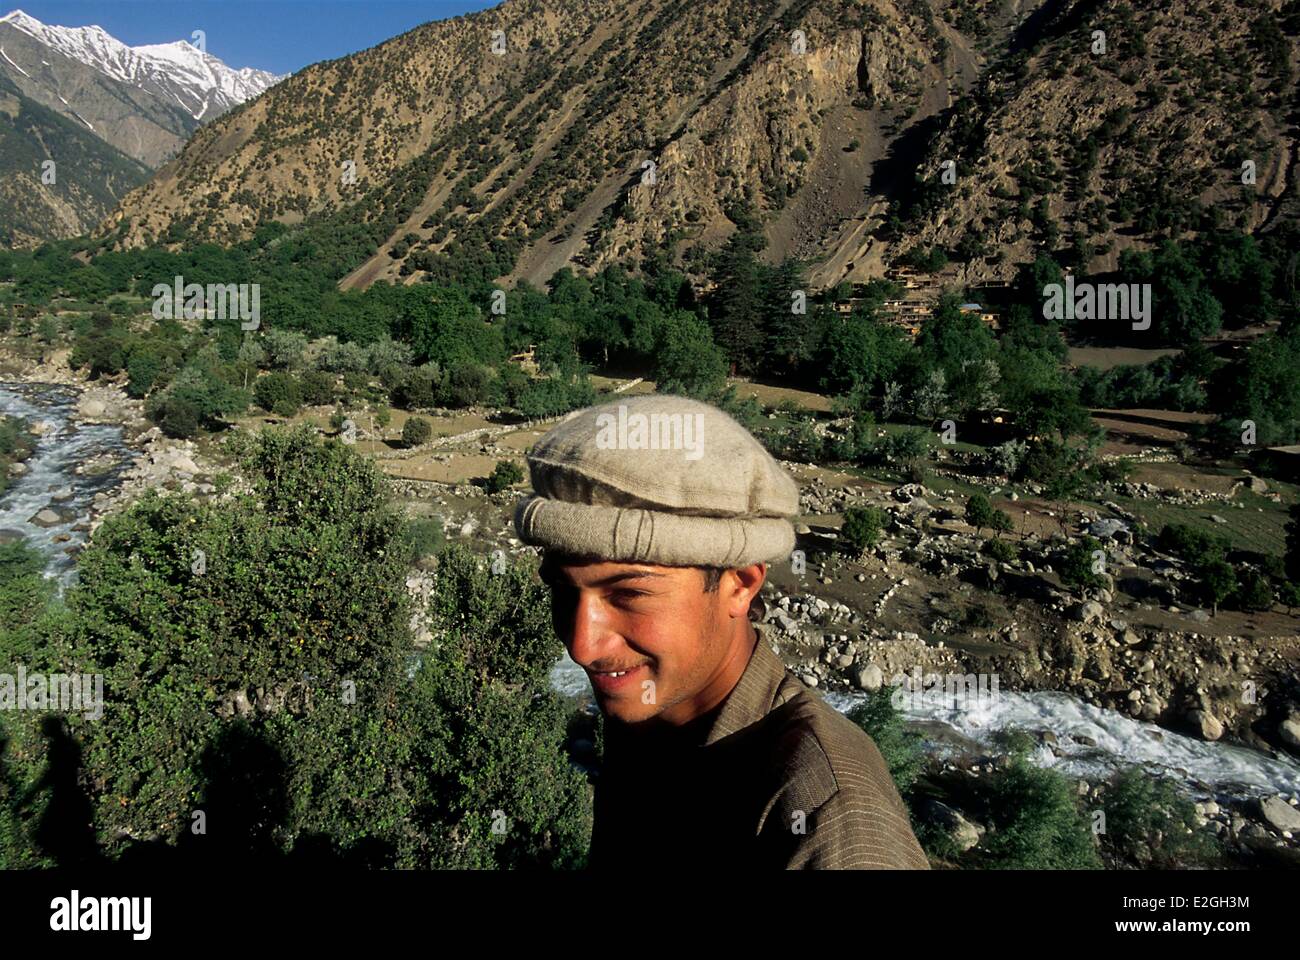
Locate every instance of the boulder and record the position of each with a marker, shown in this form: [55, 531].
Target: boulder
[964, 834]
[1279, 814]
[869, 678]
[1090, 611]
[1205, 724]
[45, 518]
[1289, 731]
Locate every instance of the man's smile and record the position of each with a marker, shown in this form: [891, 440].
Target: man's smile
[611, 681]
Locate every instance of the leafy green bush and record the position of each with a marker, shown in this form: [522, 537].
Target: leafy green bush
[862, 527]
[1035, 822]
[1149, 822]
[1254, 591]
[177, 418]
[902, 749]
[278, 393]
[505, 475]
[1192, 543]
[317, 388]
[143, 369]
[415, 431]
[1217, 580]
[277, 688]
[423, 537]
[1004, 551]
[1076, 569]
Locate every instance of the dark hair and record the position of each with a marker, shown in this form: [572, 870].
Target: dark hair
[712, 575]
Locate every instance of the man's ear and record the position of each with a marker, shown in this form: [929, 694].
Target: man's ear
[740, 586]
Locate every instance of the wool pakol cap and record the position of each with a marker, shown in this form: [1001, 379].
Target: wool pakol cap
[660, 480]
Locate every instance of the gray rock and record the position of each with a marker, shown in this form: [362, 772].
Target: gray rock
[1205, 724]
[1279, 814]
[964, 834]
[1289, 731]
[45, 518]
[1089, 611]
[1107, 528]
[869, 678]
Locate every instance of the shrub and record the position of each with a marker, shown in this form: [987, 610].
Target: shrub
[285, 697]
[1218, 581]
[862, 527]
[799, 442]
[423, 537]
[1149, 822]
[1035, 821]
[143, 369]
[317, 388]
[416, 431]
[466, 385]
[506, 474]
[1254, 592]
[278, 393]
[1192, 544]
[904, 447]
[178, 419]
[902, 749]
[1076, 568]
[1004, 551]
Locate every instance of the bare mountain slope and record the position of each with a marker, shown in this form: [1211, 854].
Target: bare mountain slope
[606, 130]
[533, 159]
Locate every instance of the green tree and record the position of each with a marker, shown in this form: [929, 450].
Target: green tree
[1218, 580]
[862, 527]
[279, 393]
[687, 361]
[277, 687]
[504, 475]
[415, 431]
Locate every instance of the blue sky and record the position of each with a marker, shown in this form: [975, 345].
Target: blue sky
[277, 35]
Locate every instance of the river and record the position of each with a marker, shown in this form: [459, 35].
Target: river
[52, 479]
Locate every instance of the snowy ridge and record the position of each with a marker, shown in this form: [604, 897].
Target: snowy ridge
[195, 79]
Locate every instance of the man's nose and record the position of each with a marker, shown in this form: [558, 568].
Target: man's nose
[590, 636]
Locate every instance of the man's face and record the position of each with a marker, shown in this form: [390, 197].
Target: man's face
[657, 626]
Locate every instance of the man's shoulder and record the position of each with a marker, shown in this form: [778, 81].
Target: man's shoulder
[820, 753]
[835, 804]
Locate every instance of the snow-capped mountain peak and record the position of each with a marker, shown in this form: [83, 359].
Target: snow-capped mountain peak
[179, 71]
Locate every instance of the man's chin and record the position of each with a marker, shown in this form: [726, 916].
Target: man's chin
[626, 709]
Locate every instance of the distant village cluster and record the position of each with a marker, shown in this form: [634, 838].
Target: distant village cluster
[921, 292]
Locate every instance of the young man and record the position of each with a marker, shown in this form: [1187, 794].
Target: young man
[656, 516]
